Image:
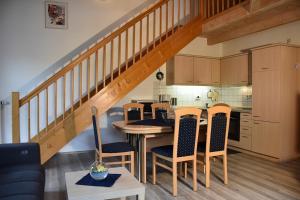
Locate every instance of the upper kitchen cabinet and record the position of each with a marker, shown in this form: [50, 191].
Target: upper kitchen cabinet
[215, 71]
[202, 71]
[180, 70]
[266, 59]
[192, 70]
[234, 70]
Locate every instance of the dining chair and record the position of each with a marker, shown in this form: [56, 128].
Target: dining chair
[117, 149]
[184, 148]
[133, 111]
[158, 108]
[216, 140]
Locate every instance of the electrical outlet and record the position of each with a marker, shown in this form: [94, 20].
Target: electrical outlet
[3, 102]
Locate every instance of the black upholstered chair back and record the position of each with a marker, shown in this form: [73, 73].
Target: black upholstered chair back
[218, 132]
[159, 114]
[186, 136]
[134, 114]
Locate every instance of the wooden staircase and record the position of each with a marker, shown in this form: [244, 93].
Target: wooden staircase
[58, 110]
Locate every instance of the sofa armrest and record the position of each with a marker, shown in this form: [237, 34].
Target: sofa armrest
[24, 153]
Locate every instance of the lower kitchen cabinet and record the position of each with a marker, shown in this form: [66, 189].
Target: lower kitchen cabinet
[266, 138]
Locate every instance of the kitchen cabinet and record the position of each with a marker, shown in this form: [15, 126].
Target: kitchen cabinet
[202, 71]
[180, 70]
[266, 59]
[192, 70]
[234, 70]
[215, 71]
[266, 138]
[275, 101]
[266, 96]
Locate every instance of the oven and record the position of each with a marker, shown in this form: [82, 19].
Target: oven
[234, 126]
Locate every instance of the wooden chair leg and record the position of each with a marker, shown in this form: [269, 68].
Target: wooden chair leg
[207, 171]
[144, 167]
[185, 170]
[174, 178]
[132, 162]
[123, 161]
[195, 175]
[180, 169]
[225, 169]
[154, 168]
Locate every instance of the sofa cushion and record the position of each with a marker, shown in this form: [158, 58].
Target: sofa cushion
[21, 188]
[21, 197]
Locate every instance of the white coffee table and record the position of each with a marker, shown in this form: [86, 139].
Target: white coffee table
[126, 185]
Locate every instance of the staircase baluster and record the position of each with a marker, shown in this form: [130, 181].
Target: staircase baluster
[119, 55]
[38, 113]
[80, 83]
[111, 60]
[104, 66]
[167, 18]
[64, 95]
[184, 12]
[154, 28]
[28, 120]
[46, 113]
[133, 45]
[96, 70]
[178, 17]
[88, 73]
[126, 48]
[160, 23]
[141, 38]
[55, 103]
[147, 34]
[72, 90]
[173, 13]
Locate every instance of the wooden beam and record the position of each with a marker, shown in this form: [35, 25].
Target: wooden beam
[278, 13]
[15, 117]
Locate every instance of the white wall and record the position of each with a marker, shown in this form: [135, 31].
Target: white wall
[28, 48]
[274, 35]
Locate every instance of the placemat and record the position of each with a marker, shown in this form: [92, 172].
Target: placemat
[108, 182]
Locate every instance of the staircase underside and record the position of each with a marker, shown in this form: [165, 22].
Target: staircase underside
[250, 17]
[75, 122]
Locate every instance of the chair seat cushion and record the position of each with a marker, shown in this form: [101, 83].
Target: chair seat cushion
[117, 147]
[201, 147]
[164, 150]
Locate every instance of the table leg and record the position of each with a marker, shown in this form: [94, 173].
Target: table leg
[138, 156]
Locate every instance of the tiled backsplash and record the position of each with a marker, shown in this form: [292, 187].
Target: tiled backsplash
[197, 95]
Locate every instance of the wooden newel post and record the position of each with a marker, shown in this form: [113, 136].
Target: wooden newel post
[15, 117]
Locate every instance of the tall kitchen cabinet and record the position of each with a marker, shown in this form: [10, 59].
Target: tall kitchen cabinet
[275, 131]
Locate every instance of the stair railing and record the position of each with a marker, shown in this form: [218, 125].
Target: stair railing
[213, 8]
[50, 103]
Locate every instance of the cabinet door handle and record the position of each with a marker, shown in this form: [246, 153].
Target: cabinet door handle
[264, 68]
[245, 129]
[245, 121]
[256, 116]
[244, 137]
[256, 123]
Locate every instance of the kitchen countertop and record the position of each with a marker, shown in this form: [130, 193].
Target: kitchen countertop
[236, 109]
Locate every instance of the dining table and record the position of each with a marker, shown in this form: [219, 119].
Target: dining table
[145, 130]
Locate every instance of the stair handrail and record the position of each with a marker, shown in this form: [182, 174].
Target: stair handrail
[89, 52]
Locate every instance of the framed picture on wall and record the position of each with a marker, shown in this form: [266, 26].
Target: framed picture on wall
[56, 14]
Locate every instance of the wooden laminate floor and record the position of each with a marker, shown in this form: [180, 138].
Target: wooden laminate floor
[249, 178]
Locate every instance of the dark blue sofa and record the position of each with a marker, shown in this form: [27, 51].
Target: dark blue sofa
[21, 175]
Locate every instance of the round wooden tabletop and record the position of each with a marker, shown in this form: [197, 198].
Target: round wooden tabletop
[141, 129]
[145, 129]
